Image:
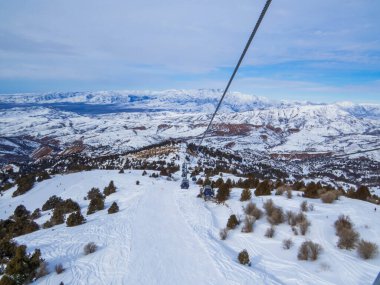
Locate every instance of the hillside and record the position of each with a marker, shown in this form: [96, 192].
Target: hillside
[40, 125]
[163, 234]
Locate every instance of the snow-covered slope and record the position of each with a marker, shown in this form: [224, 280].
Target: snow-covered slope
[164, 235]
[202, 100]
[138, 118]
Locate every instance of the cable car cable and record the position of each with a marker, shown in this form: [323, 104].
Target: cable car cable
[236, 68]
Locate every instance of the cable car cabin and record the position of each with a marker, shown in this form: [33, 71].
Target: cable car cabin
[208, 192]
[185, 184]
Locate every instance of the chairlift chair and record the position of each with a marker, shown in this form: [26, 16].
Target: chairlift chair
[208, 192]
[185, 184]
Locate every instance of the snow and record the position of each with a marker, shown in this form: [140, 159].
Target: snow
[165, 235]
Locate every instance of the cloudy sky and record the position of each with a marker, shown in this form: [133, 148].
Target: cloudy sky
[318, 50]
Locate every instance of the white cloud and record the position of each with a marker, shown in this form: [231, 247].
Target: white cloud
[94, 39]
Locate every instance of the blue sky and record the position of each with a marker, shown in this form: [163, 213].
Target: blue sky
[316, 50]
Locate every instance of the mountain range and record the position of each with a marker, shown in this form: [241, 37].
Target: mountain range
[106, 122]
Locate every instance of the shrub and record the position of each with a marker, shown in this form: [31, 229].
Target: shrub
[309, 251]
[7, 249]
[232, 222]
[144, 173]
[51, 203]
[270, 232]
[58, 217]
[295, 231]
[23, 267]
[42, 270]
[311, 190]
[68, 206]
[343, 222]
[252, 210]
[300, 218]
[43, 176]
[243, 257]
[362, 193]
[223, 233]
[75, 219]
[347, 238]
[96, 204]
[36, 214]
[367, 250]
[290, 217]
[268, 207]
[94, 193]
[21, 212]
[248, 224]
[304, 207]
[6, 280]
[25, 183]
[47, 224]
[263, 188]
[279, 192]
[304, 226]
[113, 209]
[287, 243]
[223, 193]
[110, 189]
[89, 248]
[276, 217]
[59, 268]
[289, 193]
[328, 197]
[245, 195]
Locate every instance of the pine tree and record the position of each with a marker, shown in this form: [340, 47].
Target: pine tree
[96, 204]
[232, 222]
[243, 257]
[113, 209]
[223, 193]
[362, 193]
[22, 267]
[75, 219]
[245, 195]
[94, 193]
[110, 189]
[263, 188]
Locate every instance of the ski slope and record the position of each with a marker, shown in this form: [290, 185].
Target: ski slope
[165, 235]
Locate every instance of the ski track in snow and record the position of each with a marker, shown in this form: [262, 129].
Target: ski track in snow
[165, 235]
[164, 250]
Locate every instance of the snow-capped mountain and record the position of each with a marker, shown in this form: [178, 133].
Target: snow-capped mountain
[115, 122]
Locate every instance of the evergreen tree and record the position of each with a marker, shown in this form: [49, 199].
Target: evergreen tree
[311, 190]
[362, 193]
[94, 193]
[58, 216]
[96, 204]
[110, 189]
[223, 193]
[263, 188]
[22, 267]
[75, 219]
[245, 195]
[113, 209]
[21, 212]
[51, 203]
[232, 222]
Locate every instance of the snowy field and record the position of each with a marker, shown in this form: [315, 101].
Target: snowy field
[165, 235]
